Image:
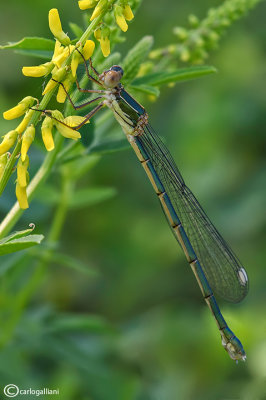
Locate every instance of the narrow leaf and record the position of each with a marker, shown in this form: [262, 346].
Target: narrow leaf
[78, 32]
[161, 78]
[151, 90]
[135, 57]
[73, 263]
[110, 146]
[34, 46]
[91, 196]
[78, 323]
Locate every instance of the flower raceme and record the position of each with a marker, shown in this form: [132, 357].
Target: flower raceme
[62, 67]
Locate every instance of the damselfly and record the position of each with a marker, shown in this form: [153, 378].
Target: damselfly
[211, 259]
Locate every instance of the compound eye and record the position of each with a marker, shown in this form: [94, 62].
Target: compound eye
[117, 68]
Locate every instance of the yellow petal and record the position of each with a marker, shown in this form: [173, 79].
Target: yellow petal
[24, 123]
[58, 49]
[56, 27]
[105, 46]
[50, 85]
[22, 169]
[128, 14]
[74, 120]
[19, 109]
[57, 76]
[21, 195]
[57, 115]
[27, 140]
[47, 135]
[38, 70]
[85, 4]
[8, 141]
[88, 49]
[76, 59]
[67, 132]
[14, 112]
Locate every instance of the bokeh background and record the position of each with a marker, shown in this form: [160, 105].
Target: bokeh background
[134, 325]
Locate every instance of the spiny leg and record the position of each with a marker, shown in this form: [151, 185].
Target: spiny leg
[82, 90]
[88, 116]
[92, 67]
[87, 70]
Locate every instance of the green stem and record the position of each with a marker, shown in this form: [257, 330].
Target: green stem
[44, 170]
[40, 269]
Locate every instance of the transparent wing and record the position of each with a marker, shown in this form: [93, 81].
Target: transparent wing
[223, 270]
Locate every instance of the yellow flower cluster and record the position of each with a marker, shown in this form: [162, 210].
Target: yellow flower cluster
[122, 13]
[63, 49]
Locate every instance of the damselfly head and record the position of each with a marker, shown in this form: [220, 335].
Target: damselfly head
[112, 76]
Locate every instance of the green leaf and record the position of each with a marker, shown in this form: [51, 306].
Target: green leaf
[135, 57]
[73, 263]
[17, 234]
[110, 146]
[90, 196]
[78, 32]
[48, 194]
[79, 323]
[184, 74]
[11, 246]
[32, 46]
[154, 91]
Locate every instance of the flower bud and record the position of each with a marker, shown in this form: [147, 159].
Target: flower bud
[128, 14]
[22, 169]
[85, 4]
[8, 141]
[47, 135]
[56, 27]
[20, 108]
[3, 161]
[97, 33]
[98, 9]
[105, 41]
[27, 140]
[21, 194]
[120, 19]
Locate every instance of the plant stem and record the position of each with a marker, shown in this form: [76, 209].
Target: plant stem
[40, 269]
[44, 170]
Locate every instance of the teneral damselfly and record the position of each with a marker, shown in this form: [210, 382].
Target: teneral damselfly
[214, 264]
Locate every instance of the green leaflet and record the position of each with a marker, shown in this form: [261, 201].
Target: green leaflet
[147, 89]
[184, 74]
[110, 146]
[33, 46]
[16, 243]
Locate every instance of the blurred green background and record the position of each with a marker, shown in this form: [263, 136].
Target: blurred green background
[136, 326]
